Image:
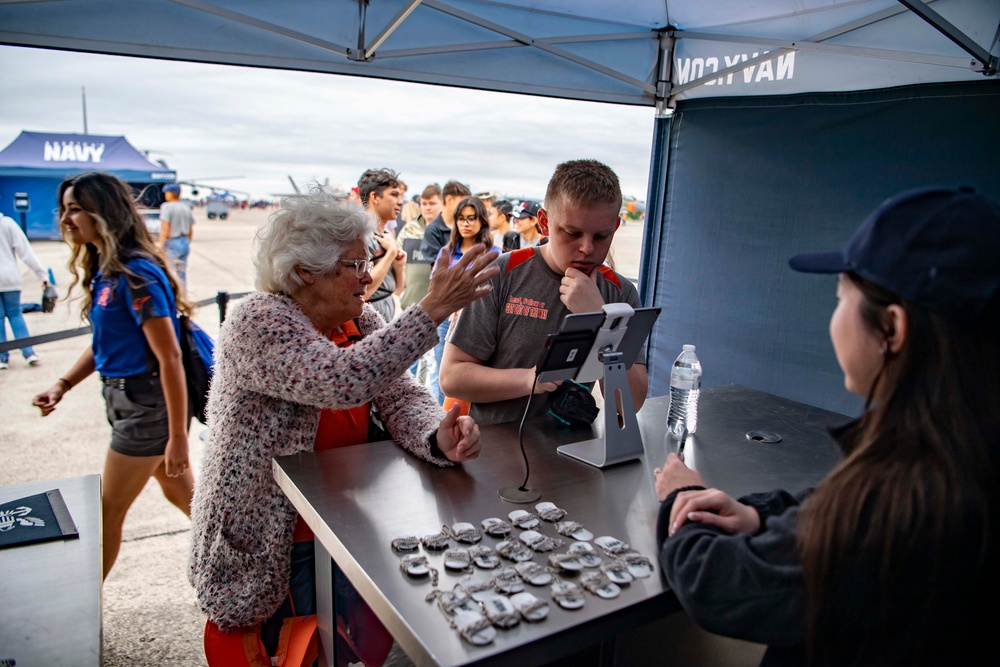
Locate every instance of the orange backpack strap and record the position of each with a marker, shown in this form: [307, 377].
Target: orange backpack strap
[610, 275]
[297, 642]
[519, 257]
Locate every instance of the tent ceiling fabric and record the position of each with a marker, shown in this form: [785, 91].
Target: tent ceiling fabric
[642, 52]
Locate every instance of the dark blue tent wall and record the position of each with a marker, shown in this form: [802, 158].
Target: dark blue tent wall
[751, 181]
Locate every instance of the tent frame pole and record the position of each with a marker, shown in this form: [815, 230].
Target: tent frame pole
[836, 49]
[511, 44]
[664, 70]
[989, 63]
[390, 28]
[541, 45]
[266, 26]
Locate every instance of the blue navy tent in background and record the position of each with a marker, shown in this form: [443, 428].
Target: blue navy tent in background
[36, 162]
[778, 124]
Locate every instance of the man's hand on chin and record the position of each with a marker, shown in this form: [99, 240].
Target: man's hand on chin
[579, 292]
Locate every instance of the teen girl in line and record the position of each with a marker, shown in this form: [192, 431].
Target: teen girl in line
[471, 227]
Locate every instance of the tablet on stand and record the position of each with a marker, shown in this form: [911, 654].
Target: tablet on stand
[590, 346]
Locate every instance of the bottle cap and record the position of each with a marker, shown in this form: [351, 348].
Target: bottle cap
[688, 348]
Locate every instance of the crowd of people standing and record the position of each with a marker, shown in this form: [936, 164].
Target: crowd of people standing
[438, 221]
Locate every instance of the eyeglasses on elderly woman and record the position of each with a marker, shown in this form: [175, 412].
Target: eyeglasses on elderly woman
[361, 266]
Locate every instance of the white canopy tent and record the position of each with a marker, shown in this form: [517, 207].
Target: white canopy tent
[778, 123]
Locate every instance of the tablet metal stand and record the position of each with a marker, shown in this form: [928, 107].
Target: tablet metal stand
[622, 441]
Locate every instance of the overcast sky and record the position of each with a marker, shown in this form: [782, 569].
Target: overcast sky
[210, 121]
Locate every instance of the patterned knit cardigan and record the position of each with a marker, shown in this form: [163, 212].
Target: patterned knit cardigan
[273, 373]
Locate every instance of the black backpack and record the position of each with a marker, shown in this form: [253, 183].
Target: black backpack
[197, 349]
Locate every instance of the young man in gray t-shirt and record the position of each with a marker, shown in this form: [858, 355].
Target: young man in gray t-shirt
[491, 352]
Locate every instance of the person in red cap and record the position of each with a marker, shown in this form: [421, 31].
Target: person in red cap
[527, 232]
[892, 558]
[354, 196]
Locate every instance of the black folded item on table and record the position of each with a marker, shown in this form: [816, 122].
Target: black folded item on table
[38, 518]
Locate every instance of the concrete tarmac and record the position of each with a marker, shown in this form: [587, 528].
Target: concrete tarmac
[150, 613]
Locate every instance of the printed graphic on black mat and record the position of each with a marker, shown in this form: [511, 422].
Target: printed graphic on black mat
[36, 518]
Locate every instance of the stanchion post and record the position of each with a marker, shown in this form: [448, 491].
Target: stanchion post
[222, 300]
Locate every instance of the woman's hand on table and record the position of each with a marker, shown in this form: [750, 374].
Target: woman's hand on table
[458, 437]
[709, 506]
[675, 475]
[714, 508]
[453, 288]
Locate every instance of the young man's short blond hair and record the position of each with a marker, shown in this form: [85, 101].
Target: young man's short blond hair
[584, 182]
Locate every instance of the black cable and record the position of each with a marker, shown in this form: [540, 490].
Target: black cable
[520, 435]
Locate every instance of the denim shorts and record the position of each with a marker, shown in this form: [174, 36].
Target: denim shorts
[137, 413]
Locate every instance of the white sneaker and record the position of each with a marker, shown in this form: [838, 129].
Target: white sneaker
[33, 360]
[3, 365]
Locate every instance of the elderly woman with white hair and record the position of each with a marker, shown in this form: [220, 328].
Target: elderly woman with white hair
[298, 366]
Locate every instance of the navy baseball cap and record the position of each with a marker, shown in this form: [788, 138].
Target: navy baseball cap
[172, 187]
[936, 247]
[527, 209]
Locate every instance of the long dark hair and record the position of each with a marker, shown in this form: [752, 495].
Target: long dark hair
[110, 203]
[483, 236]
[919, 474]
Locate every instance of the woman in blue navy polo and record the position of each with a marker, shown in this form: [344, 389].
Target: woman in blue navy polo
[131, 299]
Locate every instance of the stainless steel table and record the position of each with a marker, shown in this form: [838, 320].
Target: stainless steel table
[50, 592]
[356, 499]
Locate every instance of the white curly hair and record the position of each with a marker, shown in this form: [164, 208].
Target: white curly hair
[311, 231]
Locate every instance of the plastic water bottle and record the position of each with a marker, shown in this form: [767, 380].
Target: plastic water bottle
[685, 386]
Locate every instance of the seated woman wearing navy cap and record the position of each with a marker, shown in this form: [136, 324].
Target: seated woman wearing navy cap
[892, 558]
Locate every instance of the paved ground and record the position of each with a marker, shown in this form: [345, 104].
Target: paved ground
[150, 615]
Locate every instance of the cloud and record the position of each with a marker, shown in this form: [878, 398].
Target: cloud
[213, 120]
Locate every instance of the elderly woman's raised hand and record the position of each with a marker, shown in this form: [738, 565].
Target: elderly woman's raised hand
[454, 288]
[458, 437]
